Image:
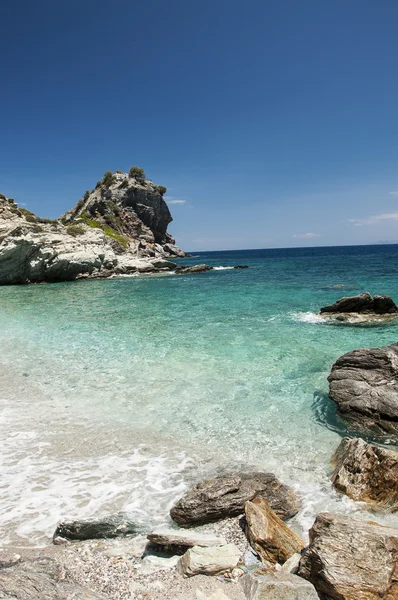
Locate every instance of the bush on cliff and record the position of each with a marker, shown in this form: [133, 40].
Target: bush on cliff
[108, 179]
[161, 189]
[75, 230]
[138, 174]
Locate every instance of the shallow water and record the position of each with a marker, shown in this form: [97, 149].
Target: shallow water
[117, 394]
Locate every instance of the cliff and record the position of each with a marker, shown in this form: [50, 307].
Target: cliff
[120, 227]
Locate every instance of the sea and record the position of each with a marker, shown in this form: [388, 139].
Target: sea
[119, 394]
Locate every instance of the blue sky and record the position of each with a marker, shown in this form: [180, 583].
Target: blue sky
[272, 122]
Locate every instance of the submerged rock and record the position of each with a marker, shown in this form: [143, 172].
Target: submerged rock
[225, 496]
[41, 579]
[193, 269]
[349, 559]
[367, 473]
[268, 535]
[108, 527]
[209, 561]
[364, 385]
[264, 585]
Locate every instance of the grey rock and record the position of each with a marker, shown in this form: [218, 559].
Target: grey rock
[225, 496]
[108, 527]
[350, 559]
[292, 564]
[184, 538]
[153, 563]
[364, 385]
[362, 303]
[208, 561]
[367, 473]
[42, 579]
[9, 559]
[270, 585]
[193, 269]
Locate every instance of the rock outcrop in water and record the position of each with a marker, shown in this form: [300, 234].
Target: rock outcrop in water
[362, 308]
[120, 227]
[367, 473]
[225, 496]
[364, 385]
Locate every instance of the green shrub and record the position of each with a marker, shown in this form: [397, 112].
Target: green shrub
[108, 179]
[109, 231]
[3, 197]
[138, 174]
[47, 221]
[30, 218]
[11, 200]
[161, 189]
[124, 184]
[37, 229]
[98, 184]
[120, 172]
[86, 195]
[75, 230]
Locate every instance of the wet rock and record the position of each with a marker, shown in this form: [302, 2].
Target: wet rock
[164, 265]
[362, 303]
[193, 269]
[349, 559]
[9, 559]
[364, 385]
[241, 267]
[264, 585]
[41, 579]
[225, 496]
[108, 527]
[209, 561]
[267, 533]
[367, 473]
[184, 538]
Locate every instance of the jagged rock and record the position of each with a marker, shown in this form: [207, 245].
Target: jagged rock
[193, 269]
[108, 232]
[367, 473]
[41, 579]
[364, 385]
[362, 303]
[349, 559]
[271, 585]
[267, 533]
[107, 527]
[225, 496]
[184, 538]
[208, 561]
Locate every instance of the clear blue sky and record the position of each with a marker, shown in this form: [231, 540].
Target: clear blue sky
[270, 119]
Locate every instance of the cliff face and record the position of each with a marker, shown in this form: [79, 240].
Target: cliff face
[118, 228]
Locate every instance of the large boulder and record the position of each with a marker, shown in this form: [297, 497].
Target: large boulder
[349, 559]
[362, 303]
[367, 473]
[225, 496]
[41, 579]
[268, 535]
[209, 561]
[271, 585]
[364, 385]
[108, 527]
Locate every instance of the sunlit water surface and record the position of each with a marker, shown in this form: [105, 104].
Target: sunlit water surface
[118, 394]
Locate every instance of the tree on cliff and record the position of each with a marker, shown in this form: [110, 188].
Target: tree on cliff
[138, 174]
[108, 178]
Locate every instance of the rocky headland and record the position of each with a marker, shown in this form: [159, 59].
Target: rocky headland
[118, 228]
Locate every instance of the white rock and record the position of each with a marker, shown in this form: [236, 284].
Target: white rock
[166, 536]
[218, 595]
[209, 561]
[292, 564]
[152, 564]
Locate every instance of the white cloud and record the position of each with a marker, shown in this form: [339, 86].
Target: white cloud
[175, 201]
[375, 219]
[394, 193]
[306, 235]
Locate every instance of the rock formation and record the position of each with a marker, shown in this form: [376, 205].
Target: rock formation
[362, 308]
[176, 538]
[225, 496]
[209, 561]
[268, 535]
[108, 527]
[367, 473]
[364, 385]
[120, 227]
[349, 559]
[270, 585]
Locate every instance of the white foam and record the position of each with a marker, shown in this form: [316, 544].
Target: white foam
[222, 268]
[308, 317]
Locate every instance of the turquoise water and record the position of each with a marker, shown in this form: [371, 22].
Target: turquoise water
[118, 394]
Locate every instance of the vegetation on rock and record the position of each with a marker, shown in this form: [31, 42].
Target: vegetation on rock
[138, 174]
